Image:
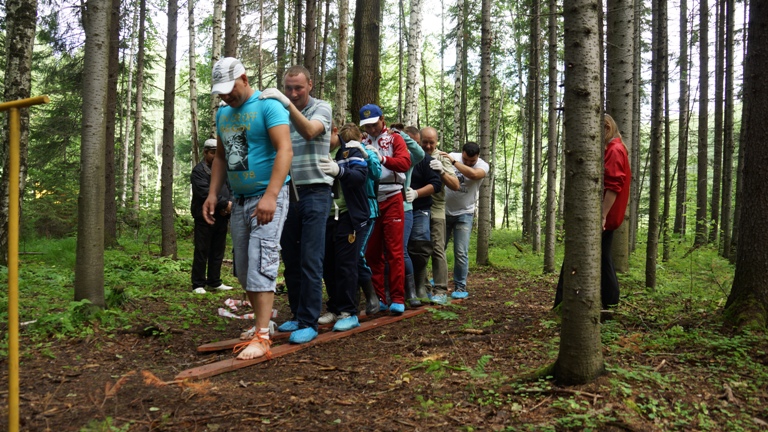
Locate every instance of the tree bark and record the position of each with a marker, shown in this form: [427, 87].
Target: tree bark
[654, 153]
[747, 304]
[681, 199]
[619, 103]
[484, 204]
[667, 138]
[536, 190]
[634, 150]
[580, 358]
[310, 30]
[457, 76]
[215, 56]
[193, 85]
[281, 54]
[717, 162]
[701, 172]
[725, 225]
[89, 263]
[324, 53]
[139, 106]
[551, 233]
[366, 74]
[167, 210]
[20, 19]
[414, 63]
[127, 116]
[341, 65]
[231, 28]
[110, 181]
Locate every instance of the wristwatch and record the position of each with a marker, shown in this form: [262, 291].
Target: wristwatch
[453, 161]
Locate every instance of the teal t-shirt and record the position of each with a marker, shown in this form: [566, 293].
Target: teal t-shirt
[244, 132]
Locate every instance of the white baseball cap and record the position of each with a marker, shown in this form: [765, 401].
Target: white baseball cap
[225, 72]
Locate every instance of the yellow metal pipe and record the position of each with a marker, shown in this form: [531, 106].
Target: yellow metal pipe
[14, 159]
[13, 271]
[23, 103]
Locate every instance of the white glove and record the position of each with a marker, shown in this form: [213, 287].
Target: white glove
[436, 165]
[328, 166]
[357, 145]
[375, 150]
[273, 93]
[411, 195]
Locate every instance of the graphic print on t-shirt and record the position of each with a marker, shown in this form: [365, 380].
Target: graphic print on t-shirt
[237, 151]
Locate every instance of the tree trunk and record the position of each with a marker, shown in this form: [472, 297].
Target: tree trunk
[457, 76]
[89, 263]
[484, 205]
[127, 116]
[139, 107]
[20, 19]
[323, 55]
[667, 139]
[654, 153]
[536, 191]
[215, 56]
[740, 158]
[110, 181]
[310, 30]
[414, 61]
[465, 33]
[580, 358]
[441, 132]
[717, 162]
[297, 29]
[619, 103]
[747, 304]
[725, 225]
[527, 175]
[366, 74]
[231, 28]
[260, 56]
[400, 55]
[167, 210]
[341, 65]
[193, 85]
[551, 233]
[682, 137]
[634, 150]
[281, 54]
[701, 172]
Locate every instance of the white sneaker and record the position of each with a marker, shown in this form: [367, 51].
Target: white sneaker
[199, 290]
[221, 287]
[327, 318]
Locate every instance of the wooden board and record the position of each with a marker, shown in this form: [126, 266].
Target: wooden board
[231, 364]
[277, 337]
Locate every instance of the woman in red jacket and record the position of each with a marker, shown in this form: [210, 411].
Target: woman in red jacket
[617, 176]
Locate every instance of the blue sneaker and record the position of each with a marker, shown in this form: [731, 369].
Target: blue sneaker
[288, 326]
[439, 299]
[397, 308]
[347, 323]
[303, 336]
[382, 306]
[460, 293]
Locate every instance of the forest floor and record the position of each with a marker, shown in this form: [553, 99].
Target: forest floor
[457, 368]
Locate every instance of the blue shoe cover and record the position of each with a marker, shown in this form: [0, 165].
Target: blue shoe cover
[347, 323]
[382, 306]
[303, 336]
[288, 326]
[440, 299]
[460, 293]
[397, 308]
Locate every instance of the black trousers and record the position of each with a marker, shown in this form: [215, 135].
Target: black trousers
[609, 283]
[210, 242]
[342, 252]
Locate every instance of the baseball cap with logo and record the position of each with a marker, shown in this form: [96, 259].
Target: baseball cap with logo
[370, 114]
[225, 72]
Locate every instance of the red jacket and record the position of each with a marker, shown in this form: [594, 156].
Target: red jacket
[616, 177]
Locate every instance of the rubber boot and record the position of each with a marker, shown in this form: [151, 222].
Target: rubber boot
[410, 291]
[421, 292]
[371, 300]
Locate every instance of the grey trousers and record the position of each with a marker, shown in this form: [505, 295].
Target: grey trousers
[439, 263]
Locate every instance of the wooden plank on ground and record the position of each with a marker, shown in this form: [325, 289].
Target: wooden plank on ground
[277, 337]
[231, 364]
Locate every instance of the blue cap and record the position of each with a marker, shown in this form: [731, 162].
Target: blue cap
[370, 114]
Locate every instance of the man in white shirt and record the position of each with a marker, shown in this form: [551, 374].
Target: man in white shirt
[460, 210]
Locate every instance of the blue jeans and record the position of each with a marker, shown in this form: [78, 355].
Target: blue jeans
[460, 228]
[363, 271]
[303, 244]
[420, 230]
[407, 226]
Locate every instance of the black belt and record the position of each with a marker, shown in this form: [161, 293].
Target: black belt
[313, 186]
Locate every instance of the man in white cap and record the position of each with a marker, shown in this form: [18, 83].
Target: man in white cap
[254, 153]
[210, 240]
